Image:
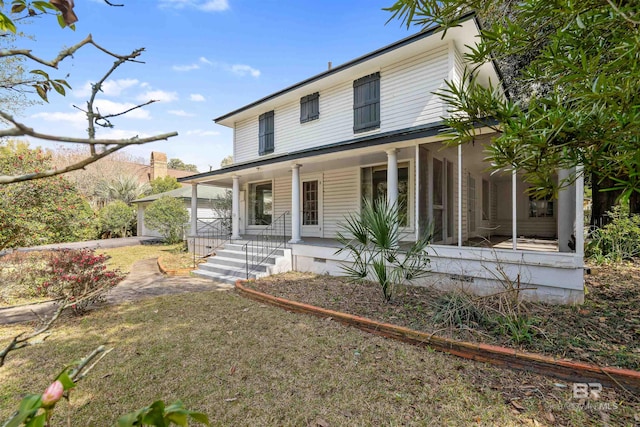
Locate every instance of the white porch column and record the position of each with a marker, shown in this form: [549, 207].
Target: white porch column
[295, 204]
[459, 195]
[392, 177]
[235, 208]
[579, 227]
[514, 210]
[194, 210]
[566, 211]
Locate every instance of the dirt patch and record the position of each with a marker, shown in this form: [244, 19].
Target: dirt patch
[604, 331]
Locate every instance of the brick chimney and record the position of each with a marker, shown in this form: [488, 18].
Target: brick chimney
[158, 165]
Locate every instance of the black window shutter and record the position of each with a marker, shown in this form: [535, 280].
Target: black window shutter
[266, 136]
[309, 107]
[366, 103]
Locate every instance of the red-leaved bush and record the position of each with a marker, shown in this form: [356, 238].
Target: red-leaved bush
[81, 276]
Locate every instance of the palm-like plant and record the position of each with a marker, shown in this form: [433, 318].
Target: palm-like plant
[126, 188]
[373, 241]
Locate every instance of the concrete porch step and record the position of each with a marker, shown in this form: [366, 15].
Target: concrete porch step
[241, 256]
[230, 279]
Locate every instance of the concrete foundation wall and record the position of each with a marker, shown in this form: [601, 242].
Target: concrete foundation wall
[555, 278]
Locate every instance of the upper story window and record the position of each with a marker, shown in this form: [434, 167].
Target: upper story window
[366, 103]
[266, 133]
[309, 107]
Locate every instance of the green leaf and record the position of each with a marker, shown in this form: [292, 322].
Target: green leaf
[6, 24]
[58, 87]
[61, 21]
[580, 23]
[67, 382]
[200, 417]
[42, 92]
[38, 421]
[180, 418]
[43, 5]
[29, 405]
[127, 420]
[18, 7]
[40, 73]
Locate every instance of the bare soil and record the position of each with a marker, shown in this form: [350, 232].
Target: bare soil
[605, 330]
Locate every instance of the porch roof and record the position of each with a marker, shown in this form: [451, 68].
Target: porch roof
[423, 131]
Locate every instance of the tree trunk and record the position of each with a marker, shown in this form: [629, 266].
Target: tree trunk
[602, 201]
[634, 203]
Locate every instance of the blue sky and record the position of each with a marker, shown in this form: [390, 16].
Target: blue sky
[203, 58]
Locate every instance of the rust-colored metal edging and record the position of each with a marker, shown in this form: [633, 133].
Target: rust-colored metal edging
[564, 369]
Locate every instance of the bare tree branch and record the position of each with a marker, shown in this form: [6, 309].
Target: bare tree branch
[101, 117]
[94, 118]
[65, 53]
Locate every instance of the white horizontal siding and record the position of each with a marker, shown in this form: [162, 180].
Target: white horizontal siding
[407, 87]
[245, 140]
[341, 196]
[282, 199]
[407, 100]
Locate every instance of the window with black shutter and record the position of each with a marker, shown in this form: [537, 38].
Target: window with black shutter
[366, 103]
[309, 107]
[266, 133]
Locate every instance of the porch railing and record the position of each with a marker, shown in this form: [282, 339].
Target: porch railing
[262, 246]
[211, 234]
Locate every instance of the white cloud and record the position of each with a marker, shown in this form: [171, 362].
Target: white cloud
[205, 61]
[204, 5]
[243, 70]
[196, 97]
[180, 113]
[158, 95]
[109, 88]
[185, 67]
[120, 134]
[200, 132]
[77, 119]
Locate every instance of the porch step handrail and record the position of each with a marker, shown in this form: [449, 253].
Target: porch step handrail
[263, 245]
[215, 232]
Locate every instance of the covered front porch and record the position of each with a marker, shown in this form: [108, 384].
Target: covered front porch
[486, 219]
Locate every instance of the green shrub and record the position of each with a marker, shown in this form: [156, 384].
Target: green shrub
[618, 240]
[168, 216]
[42, 211]
[117, 218]
[373, 239]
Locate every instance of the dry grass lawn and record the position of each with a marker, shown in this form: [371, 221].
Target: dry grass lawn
[246, 364]
[124, 257]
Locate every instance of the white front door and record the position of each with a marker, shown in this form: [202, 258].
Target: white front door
[311, 200]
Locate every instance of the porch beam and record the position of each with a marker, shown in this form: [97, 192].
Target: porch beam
[514, 208]
[392, 177]
[295, 204]
[235, 208]
[194, 209]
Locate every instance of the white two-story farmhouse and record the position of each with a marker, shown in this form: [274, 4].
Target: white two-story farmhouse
[308, 155]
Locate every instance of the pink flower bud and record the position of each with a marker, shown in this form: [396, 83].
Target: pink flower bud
[52, 394]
